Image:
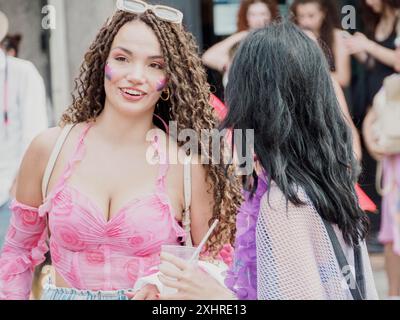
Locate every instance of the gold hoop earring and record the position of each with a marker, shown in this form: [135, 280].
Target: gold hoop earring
[168, 95]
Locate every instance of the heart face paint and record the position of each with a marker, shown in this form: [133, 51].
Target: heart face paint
[108, 72]
[161, 84]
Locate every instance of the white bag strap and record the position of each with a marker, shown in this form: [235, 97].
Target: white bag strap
[187, 186]
[53, 158]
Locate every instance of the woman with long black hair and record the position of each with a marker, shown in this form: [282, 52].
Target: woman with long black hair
[300, 233]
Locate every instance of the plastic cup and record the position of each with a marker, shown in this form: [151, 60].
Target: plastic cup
[183, 252]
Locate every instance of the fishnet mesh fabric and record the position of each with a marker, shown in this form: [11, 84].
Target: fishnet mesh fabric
[295, 257]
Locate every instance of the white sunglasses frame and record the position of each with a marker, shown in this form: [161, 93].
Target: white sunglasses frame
[120, 6]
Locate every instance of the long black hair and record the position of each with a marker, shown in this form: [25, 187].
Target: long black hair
[280, 86]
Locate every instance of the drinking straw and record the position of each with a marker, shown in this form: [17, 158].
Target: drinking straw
[203, 241]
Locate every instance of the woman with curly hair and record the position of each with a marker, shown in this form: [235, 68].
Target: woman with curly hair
[90, 185]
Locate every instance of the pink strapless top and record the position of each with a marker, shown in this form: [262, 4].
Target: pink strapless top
[88, 251]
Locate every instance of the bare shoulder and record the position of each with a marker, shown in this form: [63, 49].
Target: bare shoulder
[42, 145]
[33, 166]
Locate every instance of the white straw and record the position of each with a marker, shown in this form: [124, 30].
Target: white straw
[203, 241]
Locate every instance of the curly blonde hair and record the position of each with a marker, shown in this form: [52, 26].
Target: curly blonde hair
[188, 105]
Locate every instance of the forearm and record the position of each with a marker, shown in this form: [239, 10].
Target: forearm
[382, 54]
[217, 56]
[342, 73]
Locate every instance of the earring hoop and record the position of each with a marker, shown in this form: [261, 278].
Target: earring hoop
[163, 98]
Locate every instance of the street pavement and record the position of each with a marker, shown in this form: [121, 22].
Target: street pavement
[378, 268]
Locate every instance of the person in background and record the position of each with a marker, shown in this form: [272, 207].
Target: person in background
[389, 233]
[11, 44]
[252, 15]
[23, 116]
[375, 50]
[321, 17]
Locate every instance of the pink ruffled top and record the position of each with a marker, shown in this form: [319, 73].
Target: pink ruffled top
[88, 251]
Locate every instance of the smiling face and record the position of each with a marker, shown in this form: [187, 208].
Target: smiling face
[310, 16]
[135, 72]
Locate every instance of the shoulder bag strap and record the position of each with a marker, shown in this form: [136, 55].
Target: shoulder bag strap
[187, 185]
[53, 158]
[358, 292]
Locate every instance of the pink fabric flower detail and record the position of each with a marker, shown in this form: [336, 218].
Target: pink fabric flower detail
[29, 218]
[69, 237]
[136, 240]
[95, 257]
[31, 242]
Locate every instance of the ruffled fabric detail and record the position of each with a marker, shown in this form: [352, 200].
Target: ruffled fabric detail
[242, 276]
[179, 231]
[12, 265]
[38, 253]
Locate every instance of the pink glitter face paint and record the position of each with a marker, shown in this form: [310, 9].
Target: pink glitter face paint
[162, 84]
[108, 72]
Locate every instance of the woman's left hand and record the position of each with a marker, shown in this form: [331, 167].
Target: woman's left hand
[192, 282]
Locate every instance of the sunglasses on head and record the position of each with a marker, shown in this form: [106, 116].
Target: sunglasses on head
[164, 13]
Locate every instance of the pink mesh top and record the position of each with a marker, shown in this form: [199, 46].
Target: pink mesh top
[87, 251]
